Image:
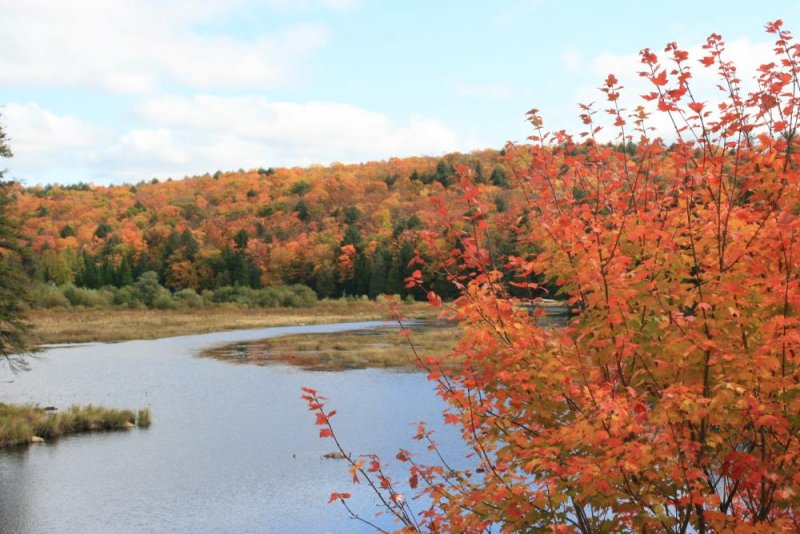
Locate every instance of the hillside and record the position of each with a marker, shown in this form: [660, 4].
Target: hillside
[341, 229]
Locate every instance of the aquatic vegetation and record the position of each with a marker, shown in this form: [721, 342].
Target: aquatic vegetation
[21, 424]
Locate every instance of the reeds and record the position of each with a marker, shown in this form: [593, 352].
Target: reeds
[119, 324]
[143, 418]
[384, 347]
[20, 423]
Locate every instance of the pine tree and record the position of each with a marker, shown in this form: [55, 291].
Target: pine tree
[13, 294]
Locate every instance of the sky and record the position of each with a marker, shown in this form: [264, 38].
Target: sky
[120, 91]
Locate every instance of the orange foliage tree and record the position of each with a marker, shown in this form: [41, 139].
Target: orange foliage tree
[670, 401]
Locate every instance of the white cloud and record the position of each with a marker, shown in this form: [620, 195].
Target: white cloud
[222, 132]
[40, 136]
[747, 56]
[48, 146]
[135, 46]
[194, 135]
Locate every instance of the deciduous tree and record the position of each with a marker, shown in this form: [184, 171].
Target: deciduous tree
[670, 402]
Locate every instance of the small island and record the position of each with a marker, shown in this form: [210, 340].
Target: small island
[26, 424]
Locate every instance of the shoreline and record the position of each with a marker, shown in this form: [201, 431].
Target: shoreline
[111, 325]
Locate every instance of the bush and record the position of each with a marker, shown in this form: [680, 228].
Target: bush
[670, 401]
[295, 296]
[164, 301]
[48, 296]
[188, 298]
[88, 298]
[232, 294]
[148, 287]
[128, 297]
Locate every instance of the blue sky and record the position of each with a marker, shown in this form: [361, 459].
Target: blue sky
[111, 91]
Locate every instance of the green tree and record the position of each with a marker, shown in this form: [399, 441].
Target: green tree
[148, 287]
[499, 178]
[67, 231]
[377, 282]
[301, 188]
[325, 280]
[13, 294]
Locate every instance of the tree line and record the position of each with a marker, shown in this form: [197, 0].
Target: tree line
[342, 230]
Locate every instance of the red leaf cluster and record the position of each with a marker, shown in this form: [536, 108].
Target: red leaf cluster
[669, 401]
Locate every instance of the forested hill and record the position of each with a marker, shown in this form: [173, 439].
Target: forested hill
[342, 229]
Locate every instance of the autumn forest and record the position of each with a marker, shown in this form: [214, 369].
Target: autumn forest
[583, 331]
[343, 230]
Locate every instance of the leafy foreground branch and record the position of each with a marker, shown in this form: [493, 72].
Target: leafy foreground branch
[23, 424]
[671, 400]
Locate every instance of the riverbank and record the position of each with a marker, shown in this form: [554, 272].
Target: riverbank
[120, 324]
[24, 424]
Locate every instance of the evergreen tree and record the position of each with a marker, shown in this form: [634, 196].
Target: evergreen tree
[191, 247]
[241, 239]
[394, 276]
[499, 178]
[88, 273]
[444, 173]
[106, 272]
[103, 229]
[325, 280]
[142, 265]
[303, 210]
[406, 254]
[124, 274]
[13, 294]
[377, 282]
[67, 231]
[363, 273]
[352, 236]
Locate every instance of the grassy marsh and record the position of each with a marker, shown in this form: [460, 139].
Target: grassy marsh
[86, 325]
[22, 424]
[383, 347]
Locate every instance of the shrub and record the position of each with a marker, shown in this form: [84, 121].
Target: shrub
[669, 402]
[88, 298]
[164, 301]
[48, 296]
[128, 297]
[232, 294]
[148, 287]
[189, 298]
[294, 296]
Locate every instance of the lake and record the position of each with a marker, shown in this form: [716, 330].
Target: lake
[232, 448]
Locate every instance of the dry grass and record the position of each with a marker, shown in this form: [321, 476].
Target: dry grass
[379, 347]
[20, 423]
[79, 326]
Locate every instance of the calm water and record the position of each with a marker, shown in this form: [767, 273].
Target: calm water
[232, 447]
